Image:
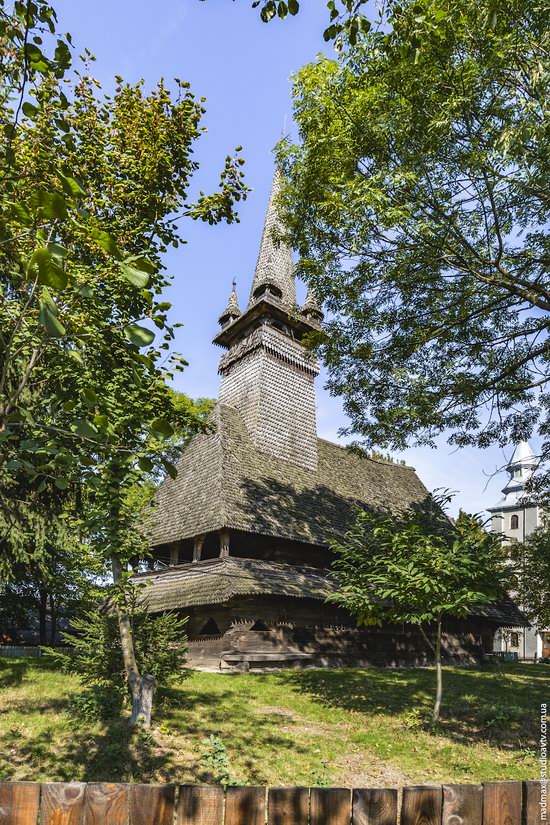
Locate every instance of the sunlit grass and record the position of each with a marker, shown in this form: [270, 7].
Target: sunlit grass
[292, 727]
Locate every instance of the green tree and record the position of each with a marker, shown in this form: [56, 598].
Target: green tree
[532, 559]
[60, 578]
[416, 197]
[416, 568]
[93, 190]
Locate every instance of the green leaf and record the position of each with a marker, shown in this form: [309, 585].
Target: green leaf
[162, 427]
[293, 7]
[85, 428]
[142, 263]
[145, 464]
[48, 318]
[30, 110]
[52, 204]
[61, 483]
[71, 186]
[50, 273]
[140, 336]
[135, 276]
[106, 242]
[171, 469]
[21, 213]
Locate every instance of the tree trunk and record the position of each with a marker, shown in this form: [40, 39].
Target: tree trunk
[141, 687]
[42, 617]
[439, 674]
[53, 620]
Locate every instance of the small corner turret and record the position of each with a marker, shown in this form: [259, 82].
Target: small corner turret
[232, 311]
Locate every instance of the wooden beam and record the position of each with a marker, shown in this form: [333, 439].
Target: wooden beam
[224, 543]
[174, 553]
[197, 547]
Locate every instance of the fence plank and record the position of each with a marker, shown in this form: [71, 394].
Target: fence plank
[200, 805]
[502, 803]
[151, 804]
[288, 806]
[62, 803]
[532, 811]
[462, 805]
[105, 803]
[374, 806]
[245, 806]
[330, 806]
[19, 803]
[422, 805]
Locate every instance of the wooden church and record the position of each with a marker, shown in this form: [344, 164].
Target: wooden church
[240, 537]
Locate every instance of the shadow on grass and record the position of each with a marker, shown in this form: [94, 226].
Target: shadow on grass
[500, 705]
[12, 672]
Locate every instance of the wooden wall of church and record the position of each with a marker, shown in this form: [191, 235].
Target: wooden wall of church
[254, 627]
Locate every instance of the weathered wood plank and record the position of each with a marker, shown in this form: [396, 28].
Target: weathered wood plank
[200, 805]
[532, 811]
[330, 806]
[19, 802]
[245, 806]
[374, 806]
[151, 804]
[422, 805]
[462, 805]
[502, 803]
[62, 803]
[105, 803]
[288, 806]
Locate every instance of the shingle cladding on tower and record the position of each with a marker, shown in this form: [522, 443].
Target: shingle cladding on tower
[274, 265]
[225, 481]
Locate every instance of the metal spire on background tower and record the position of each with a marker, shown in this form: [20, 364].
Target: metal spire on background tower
[274, 269]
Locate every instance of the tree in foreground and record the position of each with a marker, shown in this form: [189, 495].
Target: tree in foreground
[417, 568]
[93, 189]
[532, 560]
[416, 196]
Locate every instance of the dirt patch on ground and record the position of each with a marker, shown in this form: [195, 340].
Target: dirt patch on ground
[358, 769]
[365, 770]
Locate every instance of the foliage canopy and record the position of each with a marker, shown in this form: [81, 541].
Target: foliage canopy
[416, 197]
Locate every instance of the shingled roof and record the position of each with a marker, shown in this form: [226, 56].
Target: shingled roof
[215, 581]
[223, 481]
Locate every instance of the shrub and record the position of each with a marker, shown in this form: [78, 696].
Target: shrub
[96, 657]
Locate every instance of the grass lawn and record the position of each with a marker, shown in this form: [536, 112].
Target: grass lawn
[313, 727]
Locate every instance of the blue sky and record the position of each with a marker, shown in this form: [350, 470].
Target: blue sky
[242, 67]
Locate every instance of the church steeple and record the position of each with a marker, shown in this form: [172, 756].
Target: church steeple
[521, 467]
[274, 269]
[266, 373]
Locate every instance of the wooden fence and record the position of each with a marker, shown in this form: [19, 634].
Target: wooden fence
[495, 803]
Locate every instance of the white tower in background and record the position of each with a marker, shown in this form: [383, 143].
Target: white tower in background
[515, 517]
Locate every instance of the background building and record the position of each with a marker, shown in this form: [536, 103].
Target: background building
[515, 517]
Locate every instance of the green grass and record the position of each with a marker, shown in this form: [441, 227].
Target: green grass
[329, 727]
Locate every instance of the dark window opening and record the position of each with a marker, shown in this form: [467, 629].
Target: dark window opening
[514, 523]
[514, 639]
[259, 625]
[210, 629]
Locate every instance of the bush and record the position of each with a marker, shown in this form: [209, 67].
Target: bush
[160, 644]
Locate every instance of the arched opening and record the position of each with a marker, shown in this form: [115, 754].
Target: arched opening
[210, 628]
[259, 625]
[514, 523]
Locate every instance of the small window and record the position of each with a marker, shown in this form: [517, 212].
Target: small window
[514, 639]
[514, 523]
[210, 629]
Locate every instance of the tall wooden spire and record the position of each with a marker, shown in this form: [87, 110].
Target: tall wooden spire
[274, 268]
